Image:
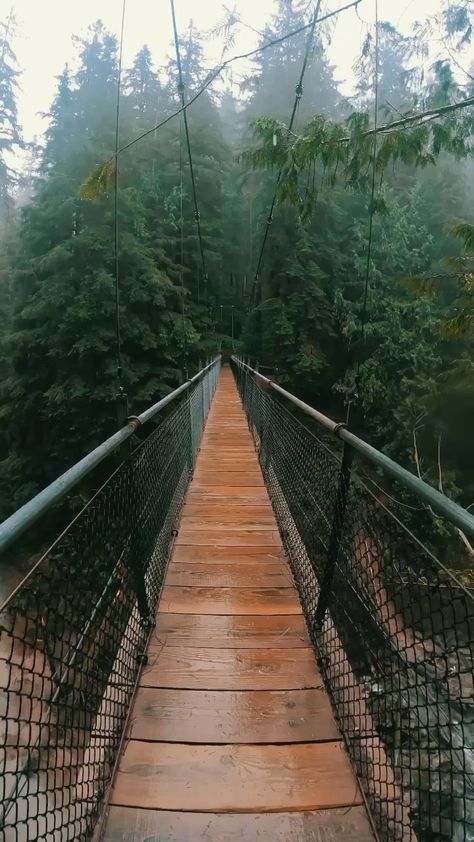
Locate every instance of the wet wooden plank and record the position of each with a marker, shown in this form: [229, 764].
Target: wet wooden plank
[228, 555]
[235, 509]
[223, 537]
[229, 601]
[221, 461]
[205, 477]
[231, 713]
[235, 778]
[230, 669]
[200, 516]
[129, 824]
[219, 526]
[230, 492]
[232, 631]
[206, 716]
[208, 575]
[231, 452]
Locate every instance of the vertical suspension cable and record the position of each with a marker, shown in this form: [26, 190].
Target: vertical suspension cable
[374, 176]
[116, 209]
[365, 301]
[181, 90]
[181, 256]
[298, 95]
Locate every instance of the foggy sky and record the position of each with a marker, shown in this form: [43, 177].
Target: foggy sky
[46, 27]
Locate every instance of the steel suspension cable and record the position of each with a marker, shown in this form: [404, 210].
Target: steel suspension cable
[374, 176]
[181, 90]
[368, 264]
[116, 211]
[218, 70]
[181, 255]
[298, 95]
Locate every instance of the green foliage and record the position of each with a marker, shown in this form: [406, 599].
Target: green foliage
[97, 184]
[59, 389]
[308, 318]
[405, 363]
[10, 132]
[460, 316]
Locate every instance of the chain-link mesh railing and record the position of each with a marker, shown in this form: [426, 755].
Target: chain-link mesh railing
[73, 634]
[391, 626]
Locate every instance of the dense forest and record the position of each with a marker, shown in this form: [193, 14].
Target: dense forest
[365, 295]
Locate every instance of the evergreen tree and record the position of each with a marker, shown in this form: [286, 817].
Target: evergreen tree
[62, 346]
[61, 136]
[143, 86]
[10, 135]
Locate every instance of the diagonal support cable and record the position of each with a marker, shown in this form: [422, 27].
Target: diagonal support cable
[181, 90]
[298, 95]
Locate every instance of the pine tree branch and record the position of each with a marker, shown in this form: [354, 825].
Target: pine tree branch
[422, 116]
[456, 62]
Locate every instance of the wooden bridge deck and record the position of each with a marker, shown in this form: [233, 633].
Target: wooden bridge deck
[232, 735]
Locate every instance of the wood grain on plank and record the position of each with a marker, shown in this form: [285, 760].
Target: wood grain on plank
[218, 525]
[230, 669]
[211, 493]
[229, 508]
[266, 575]
[235, 778]
[231, 717]
[128, 824]
[206, 716]
[205, 477]
[228, 555]
[224, 516]
[221, 464]
[224, 537]
[229, 601]
[232, 631]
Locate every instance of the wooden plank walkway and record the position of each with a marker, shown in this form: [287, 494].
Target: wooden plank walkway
[232, 736]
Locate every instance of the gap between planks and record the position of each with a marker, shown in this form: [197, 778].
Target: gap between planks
[231, 715]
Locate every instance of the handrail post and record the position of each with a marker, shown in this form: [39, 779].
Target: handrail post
[191, 441]
[338, 521]
[136, 561]
[202, 404]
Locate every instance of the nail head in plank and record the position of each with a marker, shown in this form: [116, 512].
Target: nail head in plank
[230, 669]
[207, 716]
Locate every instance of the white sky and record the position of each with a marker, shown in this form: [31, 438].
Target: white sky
[45, 29]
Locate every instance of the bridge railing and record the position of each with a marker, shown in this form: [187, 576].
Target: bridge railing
[74, 632]
[392, 626]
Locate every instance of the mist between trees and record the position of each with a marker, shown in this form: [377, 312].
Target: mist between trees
[406, 364]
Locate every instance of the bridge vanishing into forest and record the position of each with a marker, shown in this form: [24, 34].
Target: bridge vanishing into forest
[237, 637]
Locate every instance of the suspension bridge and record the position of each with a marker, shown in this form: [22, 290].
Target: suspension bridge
[235, 638]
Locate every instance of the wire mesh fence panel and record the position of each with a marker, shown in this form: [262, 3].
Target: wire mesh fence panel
[73, 634]
[392, 629]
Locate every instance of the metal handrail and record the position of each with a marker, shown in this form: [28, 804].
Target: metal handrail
[450, 510]
[21, 520]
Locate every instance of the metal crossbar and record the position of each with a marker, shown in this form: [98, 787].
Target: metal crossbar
[391, 625]
[73, 634]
